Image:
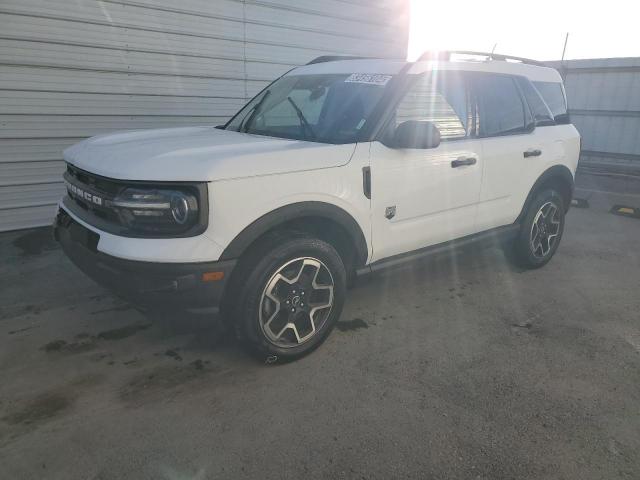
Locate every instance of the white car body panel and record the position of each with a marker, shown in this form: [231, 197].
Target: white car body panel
[508, 176]
[200, 248]
[201, 154]
[433, 202]
[257, 196]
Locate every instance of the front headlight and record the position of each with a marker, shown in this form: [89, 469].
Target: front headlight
[156, 211]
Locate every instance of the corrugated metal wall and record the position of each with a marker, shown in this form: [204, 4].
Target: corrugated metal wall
[72, 69]
[604, 103]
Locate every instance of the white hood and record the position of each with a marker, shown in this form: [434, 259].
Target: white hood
[199, 154]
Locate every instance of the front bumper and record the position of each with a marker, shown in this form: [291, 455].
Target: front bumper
[149, 284]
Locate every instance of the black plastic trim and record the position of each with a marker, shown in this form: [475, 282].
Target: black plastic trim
[560, 172]
[337, 58]
[366, 182]
[298, 211]
[500, 234]
[144, 283]
[446, 56]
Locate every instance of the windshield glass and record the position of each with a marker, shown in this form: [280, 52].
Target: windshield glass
[329, 108]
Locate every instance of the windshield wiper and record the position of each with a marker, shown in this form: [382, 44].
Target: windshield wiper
[303, 120]
[246, 122]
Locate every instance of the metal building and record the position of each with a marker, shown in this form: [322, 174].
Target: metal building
[69, 70]
[604, 103]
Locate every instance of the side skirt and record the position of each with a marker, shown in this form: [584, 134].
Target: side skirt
[493, 236]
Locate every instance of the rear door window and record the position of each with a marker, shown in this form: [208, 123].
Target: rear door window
[500, 106]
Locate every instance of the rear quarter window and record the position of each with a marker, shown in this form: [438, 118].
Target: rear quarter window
[554, 97]
[542, 115]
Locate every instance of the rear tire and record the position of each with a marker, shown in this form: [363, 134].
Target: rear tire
[289, 294]
[541, 230]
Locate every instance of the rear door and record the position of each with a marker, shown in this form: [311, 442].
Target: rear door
[421, 197]
[515, 151]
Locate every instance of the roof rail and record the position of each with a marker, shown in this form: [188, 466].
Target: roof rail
[446, 56]
[334, 58]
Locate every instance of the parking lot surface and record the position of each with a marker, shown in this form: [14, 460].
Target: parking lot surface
[460, 366]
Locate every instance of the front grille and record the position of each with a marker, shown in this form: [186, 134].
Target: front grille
[92, 193]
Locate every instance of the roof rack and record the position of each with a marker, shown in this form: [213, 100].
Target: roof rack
[334, 58]
[446, 56]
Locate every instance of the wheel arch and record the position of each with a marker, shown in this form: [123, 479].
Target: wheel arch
[558, 176]
[302, 214]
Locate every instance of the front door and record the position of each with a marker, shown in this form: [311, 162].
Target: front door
[422, 197]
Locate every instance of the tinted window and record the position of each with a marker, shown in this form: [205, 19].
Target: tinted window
[541, 113]
[500, 105]
[437, 100]
[553, 95]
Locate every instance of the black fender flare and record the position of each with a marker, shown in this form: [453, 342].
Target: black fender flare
[298, 211]
[557, 172]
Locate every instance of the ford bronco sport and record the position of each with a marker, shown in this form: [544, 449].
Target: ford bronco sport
[338, 167]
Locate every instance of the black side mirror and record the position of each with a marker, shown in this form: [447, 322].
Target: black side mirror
[416, 134]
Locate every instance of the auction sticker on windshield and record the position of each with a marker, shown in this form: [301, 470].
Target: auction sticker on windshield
[368, 78]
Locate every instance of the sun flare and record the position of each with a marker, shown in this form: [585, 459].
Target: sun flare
[479, 26]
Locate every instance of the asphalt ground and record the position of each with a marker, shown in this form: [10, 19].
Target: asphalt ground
[457, 367]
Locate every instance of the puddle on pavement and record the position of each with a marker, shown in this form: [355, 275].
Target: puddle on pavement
[85, 342]
[146, 385]
[40, 409]
[123, 332]
[35, 242]
[351, 325]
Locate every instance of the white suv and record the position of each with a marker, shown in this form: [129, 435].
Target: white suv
[338, 167]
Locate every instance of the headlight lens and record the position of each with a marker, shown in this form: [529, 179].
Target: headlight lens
[156, 211]
[180, 208]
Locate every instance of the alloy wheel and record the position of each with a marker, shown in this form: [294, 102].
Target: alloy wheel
[296, 302]
[545, 230]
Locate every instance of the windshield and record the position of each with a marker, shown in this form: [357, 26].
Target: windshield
[330, 108]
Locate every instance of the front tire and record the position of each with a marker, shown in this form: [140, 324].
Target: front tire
[541, 230]
[290, 294]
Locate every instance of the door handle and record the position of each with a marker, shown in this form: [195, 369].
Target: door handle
[462, 161]
[532, 153]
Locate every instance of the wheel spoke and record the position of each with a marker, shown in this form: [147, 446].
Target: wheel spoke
[288, 326]
[307, 262]
[551, 210]
[538, 246]
[273, 315]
